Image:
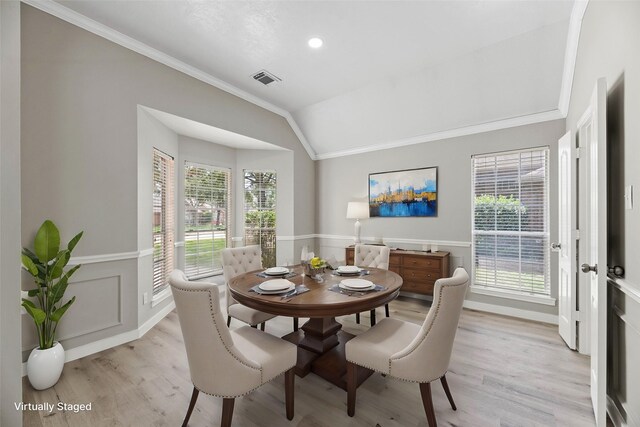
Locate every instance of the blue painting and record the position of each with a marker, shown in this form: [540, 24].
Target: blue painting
[411, 192]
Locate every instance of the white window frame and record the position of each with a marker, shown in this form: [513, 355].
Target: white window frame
[244, 208]
[229, 214]
[163, 290]
[539, 298]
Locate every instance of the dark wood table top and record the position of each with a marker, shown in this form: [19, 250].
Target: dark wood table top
[319, 301]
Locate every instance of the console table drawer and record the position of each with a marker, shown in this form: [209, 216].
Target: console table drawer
[419, 270]
[419, 275]
[394, 260]
[413, 261]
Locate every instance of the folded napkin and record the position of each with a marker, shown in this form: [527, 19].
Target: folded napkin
[354, 293]
[300, 289]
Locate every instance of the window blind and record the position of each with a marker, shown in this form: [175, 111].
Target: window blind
[206, 200]
[163, 219]
[511, 221]
[260, 213]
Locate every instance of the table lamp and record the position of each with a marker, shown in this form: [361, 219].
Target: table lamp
[357, 211]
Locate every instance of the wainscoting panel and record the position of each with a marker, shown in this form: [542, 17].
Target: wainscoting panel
[623, 388]
[105, 305]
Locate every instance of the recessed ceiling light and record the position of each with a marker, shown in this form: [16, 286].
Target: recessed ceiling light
[315, 42]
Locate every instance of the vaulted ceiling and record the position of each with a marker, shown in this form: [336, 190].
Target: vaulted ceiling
[388, 71]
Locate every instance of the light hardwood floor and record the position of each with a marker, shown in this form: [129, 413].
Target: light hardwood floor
[504, 372]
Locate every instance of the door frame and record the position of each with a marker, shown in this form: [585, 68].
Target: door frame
[567, 241]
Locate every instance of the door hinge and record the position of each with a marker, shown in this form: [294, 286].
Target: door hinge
[578, 316]
[577, 234]
[579, 152]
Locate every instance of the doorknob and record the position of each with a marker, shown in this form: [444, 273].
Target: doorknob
[617, 271]
[556, 246]
[587, 268]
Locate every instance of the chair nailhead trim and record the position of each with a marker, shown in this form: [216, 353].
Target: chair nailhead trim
[442, 288]
[220, 336]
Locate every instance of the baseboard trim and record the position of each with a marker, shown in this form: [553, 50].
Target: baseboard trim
[615, 415]
[495, 309]
[512, 312]
[114, 341]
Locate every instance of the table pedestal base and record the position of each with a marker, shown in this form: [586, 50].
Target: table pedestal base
[321, 351]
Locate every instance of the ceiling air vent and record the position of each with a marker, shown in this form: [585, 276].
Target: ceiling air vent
[265, 77]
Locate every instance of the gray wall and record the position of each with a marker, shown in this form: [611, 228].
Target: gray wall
[610, 47]
[151, 134]
[343, 179]
[10, 378]
[80, 128]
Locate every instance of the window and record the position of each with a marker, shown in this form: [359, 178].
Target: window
[163, 219]
[260, 213]
[206, 218]
[511, 221]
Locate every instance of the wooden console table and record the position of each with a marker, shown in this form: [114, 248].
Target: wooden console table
[419, 270]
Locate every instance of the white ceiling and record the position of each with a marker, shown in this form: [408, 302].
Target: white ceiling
[388, 70]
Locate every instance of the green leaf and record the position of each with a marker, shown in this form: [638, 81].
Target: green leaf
[28, 302]
[57, 314]
[37, 314]
[72, 244]
[29, 265]
[58, 266]
[31, 255]
[47, 241]
[56, 292]
[33, 292]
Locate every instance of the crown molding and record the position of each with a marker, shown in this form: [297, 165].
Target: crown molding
[528, 119]
[88, 24]
[106, 32]
[571, 54]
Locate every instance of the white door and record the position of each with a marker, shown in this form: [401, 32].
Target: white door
[566, 246]
[593, 134]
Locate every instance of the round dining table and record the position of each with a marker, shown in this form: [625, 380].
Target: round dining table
[321, 339]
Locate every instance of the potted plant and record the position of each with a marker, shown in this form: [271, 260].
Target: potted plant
[47, 266]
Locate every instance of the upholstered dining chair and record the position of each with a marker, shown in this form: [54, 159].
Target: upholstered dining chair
[372, 256]
[222, 362]
[412, 352]
[236, 261]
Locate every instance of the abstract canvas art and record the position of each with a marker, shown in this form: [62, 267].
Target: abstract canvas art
[412, 192]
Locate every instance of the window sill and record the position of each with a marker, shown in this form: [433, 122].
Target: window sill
[536, 299]
[161, 296]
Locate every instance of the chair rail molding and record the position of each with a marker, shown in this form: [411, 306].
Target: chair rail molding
[298, 237]
[93, 259]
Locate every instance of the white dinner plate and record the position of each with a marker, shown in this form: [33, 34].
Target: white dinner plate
[276, 271]
[280, 291]
[341, 285]
[348, 269]
[275, 285]
[356, 284]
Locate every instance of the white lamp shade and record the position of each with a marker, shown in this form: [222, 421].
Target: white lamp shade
[357, 210]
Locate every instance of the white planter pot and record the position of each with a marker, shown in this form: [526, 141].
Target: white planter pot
[44, 367]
